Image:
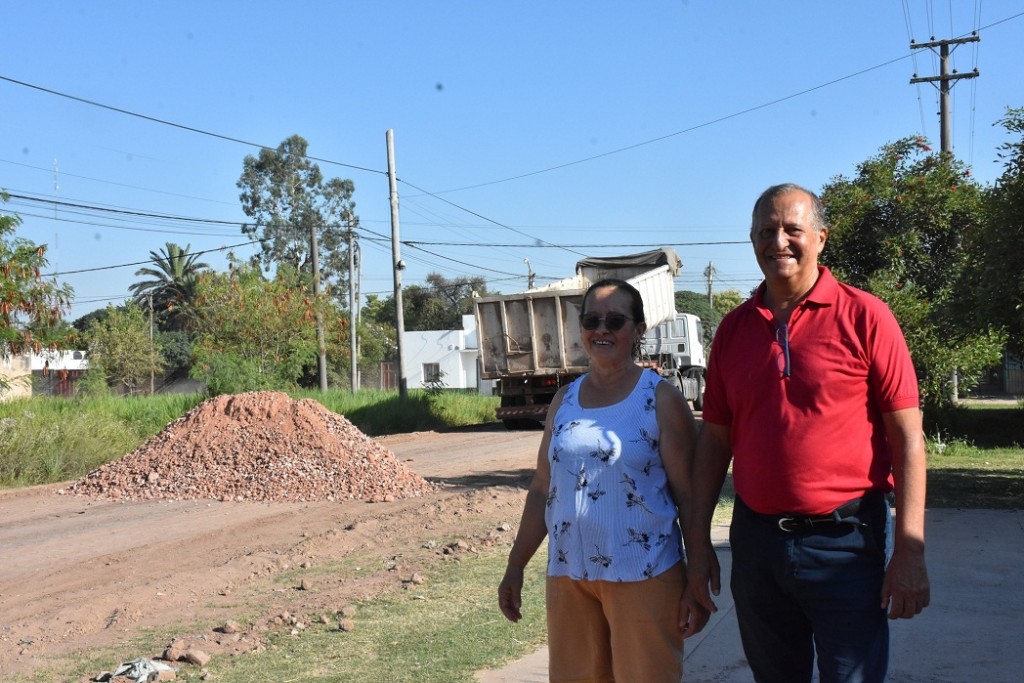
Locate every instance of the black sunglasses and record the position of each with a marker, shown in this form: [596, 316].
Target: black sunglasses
[613, 322]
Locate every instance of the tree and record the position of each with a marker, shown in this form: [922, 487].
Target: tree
[995, 274]
[898, 230]
[119, 348]
[442, 303]
[254, 333]
[377, 336]
[723, 302]
[171, 286]
[697, 304]
[288, 198]
[30, 307]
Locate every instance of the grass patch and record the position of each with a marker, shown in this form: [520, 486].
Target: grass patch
[963, 476]
[975, 457]
[440, 632]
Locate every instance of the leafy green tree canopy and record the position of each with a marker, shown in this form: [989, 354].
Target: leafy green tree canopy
[30, 307]
[441, 304]
[171, 285]
[996, 271]
[253, 333]
[120, 348]
[897, 229]
[288, 198]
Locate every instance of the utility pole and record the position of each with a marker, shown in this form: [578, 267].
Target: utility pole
[944, 79]
[529, 274]
[152, 373]
[709, 273]
[321, 359]
[398, 265]
[352, 304]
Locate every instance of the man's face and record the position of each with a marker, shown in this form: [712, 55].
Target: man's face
[785, 242]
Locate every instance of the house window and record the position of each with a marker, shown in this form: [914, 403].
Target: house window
[431, 372]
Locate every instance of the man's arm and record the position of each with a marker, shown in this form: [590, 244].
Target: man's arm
[906, 589]
[711, 462]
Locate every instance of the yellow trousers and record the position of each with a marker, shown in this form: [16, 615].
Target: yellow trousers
[615, 632]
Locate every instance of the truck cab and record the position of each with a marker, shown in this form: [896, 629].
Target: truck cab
[675, 348]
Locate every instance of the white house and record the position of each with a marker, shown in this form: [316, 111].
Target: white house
[449, 358]
[16, 373]
[48, 372]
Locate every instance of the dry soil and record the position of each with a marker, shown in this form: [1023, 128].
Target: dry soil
[166, 537]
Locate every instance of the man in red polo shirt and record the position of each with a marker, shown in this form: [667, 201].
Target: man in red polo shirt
[812, 395]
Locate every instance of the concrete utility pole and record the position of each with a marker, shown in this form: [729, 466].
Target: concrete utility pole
[944, 79]
[397, 263]
[152, 374]
[709, 273]
[353, 303]
[321, 345]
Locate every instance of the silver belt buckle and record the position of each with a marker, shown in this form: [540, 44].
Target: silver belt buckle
[783, 521]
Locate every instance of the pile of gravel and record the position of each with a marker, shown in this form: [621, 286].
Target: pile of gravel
[258, 446]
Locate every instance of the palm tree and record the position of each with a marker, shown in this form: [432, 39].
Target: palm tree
[172, 285]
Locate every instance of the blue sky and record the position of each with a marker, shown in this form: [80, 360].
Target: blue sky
[598, 127]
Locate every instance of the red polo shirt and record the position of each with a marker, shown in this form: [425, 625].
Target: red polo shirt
[812, 441]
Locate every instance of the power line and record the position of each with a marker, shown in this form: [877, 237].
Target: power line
[147, 261]
[180, 126]
[648, 245]
[116, 184]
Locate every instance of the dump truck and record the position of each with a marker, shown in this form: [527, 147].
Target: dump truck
[531, 342]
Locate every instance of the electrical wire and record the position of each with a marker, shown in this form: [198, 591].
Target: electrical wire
[172, 124]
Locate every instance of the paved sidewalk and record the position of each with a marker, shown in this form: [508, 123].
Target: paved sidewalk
[971, 631]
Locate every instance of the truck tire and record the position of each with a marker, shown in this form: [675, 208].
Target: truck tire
[698, 403]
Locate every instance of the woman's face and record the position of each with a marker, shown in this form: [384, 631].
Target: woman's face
[604, 309]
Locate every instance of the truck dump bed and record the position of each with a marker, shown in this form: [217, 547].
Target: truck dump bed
[537, 332]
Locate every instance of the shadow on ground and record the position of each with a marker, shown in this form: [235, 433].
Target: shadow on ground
[516, 478]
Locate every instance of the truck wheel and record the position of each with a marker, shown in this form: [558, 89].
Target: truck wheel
[698, 403]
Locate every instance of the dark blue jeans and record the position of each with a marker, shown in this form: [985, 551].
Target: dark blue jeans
[803, 593]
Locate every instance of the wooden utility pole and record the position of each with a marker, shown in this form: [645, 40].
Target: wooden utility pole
[398, 265]
[944, 79]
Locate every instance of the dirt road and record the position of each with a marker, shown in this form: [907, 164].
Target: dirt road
[78, 573]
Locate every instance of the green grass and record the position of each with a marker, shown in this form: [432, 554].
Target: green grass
[975, 457]
[442, 631]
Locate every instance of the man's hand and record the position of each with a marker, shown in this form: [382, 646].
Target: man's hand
[906, 590]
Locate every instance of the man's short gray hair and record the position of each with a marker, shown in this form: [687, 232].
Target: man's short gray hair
[818, 220]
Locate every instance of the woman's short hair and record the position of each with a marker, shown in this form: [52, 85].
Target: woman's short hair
[636, 306]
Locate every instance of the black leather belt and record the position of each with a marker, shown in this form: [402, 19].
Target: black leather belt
[844, 514]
